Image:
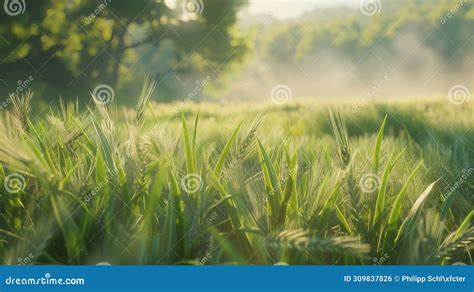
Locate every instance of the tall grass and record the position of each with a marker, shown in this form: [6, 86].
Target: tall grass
[299, 185]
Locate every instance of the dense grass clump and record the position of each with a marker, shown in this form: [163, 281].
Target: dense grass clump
[379, 184]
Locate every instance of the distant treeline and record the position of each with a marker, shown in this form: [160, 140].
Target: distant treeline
[420, 47]
[443, 25]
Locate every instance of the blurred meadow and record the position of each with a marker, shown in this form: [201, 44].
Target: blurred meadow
[206, 132]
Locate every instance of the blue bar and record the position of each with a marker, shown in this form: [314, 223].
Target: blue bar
[238, 278]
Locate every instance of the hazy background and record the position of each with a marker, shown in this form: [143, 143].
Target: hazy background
[238, 50]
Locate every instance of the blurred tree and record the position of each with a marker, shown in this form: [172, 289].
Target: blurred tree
[73, 43]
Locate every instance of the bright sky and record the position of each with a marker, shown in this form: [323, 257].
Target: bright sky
[291, 8]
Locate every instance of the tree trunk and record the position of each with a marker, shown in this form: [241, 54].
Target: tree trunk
[116, 59]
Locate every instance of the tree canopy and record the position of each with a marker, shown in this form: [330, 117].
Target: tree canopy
[75, 45]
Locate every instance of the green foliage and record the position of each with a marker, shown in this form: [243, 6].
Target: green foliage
[152, 190]
[80, 44]
[352, 37]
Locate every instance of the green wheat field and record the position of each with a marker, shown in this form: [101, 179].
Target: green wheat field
[305, 183]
